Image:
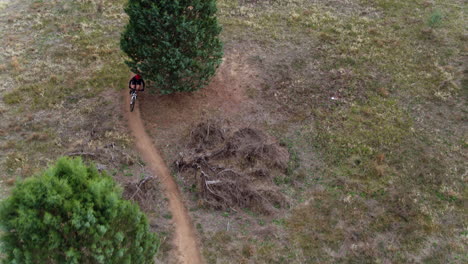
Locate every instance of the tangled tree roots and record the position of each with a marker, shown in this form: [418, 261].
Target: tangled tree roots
[251, 146]
[206, 136]
[231, 171]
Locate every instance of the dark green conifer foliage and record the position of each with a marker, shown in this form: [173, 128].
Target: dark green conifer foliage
[173, 43]
[73, 214]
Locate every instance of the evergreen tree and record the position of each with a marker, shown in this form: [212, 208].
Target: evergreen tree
[173, 43]
[73, 214]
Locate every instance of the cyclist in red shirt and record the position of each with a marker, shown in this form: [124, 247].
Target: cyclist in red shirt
[136, 83]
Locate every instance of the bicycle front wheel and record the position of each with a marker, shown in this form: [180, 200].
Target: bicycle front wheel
[132, 103]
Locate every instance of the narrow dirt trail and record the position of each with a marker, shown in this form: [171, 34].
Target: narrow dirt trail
[185, 238]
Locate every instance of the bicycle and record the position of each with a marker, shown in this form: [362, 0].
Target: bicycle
[133, 97]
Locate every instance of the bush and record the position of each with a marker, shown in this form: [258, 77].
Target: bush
[435, 19]
[174, 44]
[73, 214]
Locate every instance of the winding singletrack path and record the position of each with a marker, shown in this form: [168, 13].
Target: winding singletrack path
[185, 239]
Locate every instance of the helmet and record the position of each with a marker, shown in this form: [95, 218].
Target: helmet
[138, 77]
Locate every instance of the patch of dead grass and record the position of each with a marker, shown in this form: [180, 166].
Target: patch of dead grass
[362, 81]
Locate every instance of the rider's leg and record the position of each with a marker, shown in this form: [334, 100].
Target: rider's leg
[132, 87]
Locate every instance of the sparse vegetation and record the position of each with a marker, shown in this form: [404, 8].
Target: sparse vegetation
[58, 60]
[64, 65]
[369, 98]
[81, 48]
[359, 77]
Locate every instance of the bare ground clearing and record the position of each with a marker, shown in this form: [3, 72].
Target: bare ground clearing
[185, 239]
[229, 119]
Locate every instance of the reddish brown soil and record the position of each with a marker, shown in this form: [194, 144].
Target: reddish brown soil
[185, 239]
[230, 97]
[225, 95]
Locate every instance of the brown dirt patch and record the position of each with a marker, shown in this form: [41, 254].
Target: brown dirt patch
[185, 239]
[240, 126]
[225, 93]
[230, 96]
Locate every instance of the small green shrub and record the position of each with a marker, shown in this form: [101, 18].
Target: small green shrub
[73, 214]
[435, 19]
[12, 97]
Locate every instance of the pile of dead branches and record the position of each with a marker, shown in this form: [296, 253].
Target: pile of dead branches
[233, 170]
[206, 135]
[251, 146]
[144, 192]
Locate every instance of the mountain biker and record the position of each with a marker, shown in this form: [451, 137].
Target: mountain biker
[136, 83]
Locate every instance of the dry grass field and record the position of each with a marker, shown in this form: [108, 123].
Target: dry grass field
[367, 97]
